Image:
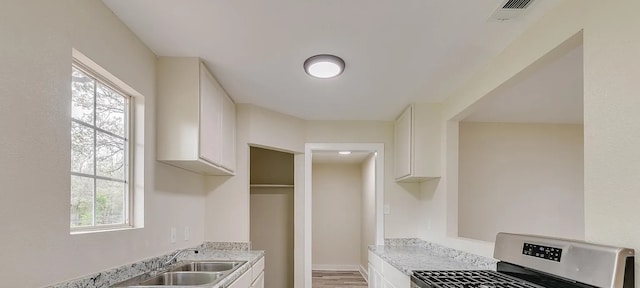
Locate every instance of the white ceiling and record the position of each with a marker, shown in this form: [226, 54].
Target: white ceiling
[397, 51]
[551, 94]
[332, 157]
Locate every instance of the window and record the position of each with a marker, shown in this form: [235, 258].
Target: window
[100, 153]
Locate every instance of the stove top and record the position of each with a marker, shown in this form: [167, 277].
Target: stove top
[468, 279]
[529, 261]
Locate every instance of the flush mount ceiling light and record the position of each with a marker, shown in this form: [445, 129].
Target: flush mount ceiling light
[324, 66]
[344, 152]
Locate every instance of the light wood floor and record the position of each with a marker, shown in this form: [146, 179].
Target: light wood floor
[342, 279]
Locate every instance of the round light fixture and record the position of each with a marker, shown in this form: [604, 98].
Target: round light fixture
[324, 66]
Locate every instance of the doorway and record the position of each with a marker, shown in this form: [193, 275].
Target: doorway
[371, 163]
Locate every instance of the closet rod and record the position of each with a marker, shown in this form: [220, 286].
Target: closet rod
[271, 186]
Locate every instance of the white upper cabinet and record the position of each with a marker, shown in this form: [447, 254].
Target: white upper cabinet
[417, 143]
[195, 118]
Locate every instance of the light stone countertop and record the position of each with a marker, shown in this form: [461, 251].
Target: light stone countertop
[236, 251]
[407, 255]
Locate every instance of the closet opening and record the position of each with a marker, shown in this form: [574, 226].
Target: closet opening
[272, 213]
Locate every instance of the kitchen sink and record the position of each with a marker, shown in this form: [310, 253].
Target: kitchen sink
[183, 279]
[213, 266]
[190, 273]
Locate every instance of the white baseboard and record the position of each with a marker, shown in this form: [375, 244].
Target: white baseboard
[364, 273]
[324, 267]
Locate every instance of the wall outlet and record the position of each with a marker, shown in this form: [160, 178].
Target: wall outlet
[186, 233]
[173, 235]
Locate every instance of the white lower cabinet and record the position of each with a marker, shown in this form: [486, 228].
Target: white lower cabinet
[253, 278]
[383, 275]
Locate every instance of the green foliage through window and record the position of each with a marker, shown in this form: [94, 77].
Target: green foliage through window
[99, 153]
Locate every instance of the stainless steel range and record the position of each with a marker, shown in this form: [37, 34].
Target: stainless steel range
[528, 261]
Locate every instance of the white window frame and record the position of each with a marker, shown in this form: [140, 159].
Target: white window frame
[129, 154]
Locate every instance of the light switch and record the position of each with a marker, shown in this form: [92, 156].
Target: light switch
[173, 235]
[387, 209]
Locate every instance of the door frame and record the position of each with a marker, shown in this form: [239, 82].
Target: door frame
[303, 204]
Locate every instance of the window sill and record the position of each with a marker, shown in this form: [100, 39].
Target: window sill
[101, 230]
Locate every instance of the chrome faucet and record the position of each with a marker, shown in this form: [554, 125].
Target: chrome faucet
[178, 254]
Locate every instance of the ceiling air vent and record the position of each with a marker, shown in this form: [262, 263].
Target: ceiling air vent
[510, 9]
[516, 4]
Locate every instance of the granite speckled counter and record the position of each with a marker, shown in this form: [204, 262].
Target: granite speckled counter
[148, 268]
[407, 255]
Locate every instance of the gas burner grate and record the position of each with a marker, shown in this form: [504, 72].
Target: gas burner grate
[470, 279]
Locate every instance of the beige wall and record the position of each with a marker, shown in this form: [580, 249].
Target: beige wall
[228, 197]
[37, 38]
[273, 129]
[520, 178]
[612, 137]
[440, 206]
[611, 157]
[368, 205]
[337, 189]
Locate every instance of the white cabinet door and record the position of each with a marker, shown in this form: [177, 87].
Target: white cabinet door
[243, 282]
[228, 157]
[394, 277]
[375, 278]
[259, 282]
[403, 144]
[383, 275]
[417, 143]
[211, 102]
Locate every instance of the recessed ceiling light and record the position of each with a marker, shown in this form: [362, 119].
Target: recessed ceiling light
[344, 152]
[324, 66]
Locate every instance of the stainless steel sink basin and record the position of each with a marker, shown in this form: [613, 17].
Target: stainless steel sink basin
[183, 278]
[192, 273]
[209, 266]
